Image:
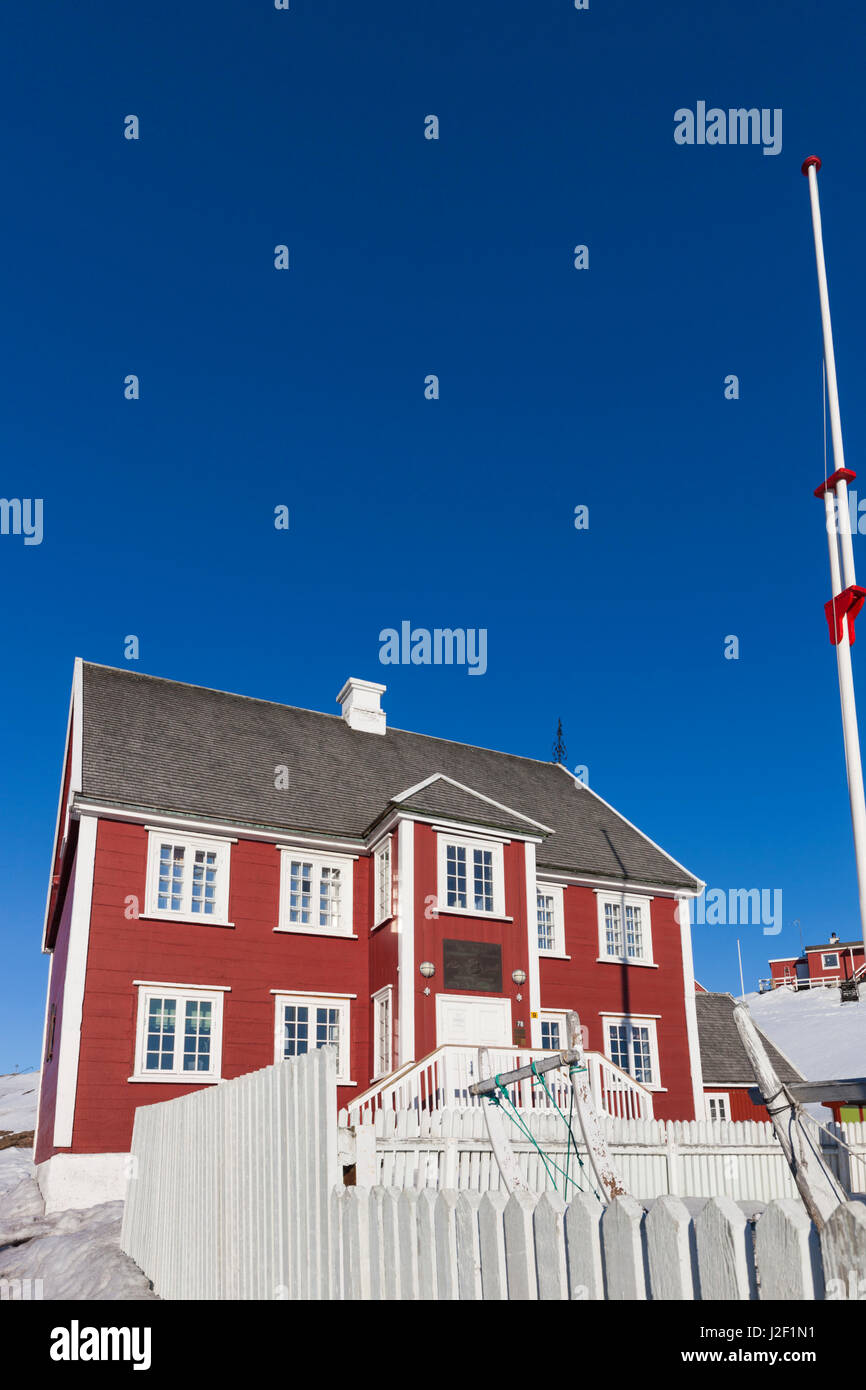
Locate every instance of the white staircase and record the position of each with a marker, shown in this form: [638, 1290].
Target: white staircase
[442, 1079]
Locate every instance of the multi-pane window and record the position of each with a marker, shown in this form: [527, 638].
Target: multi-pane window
[552, 1035]
[631, 1046]
[717, 1107]
[551, 922]
[178, 1034]
[624, 928]
[382, 870]
[830, 960]
[187, 877]
[470, 877]
[315, 894]
[382, 1033]
[304, 1024]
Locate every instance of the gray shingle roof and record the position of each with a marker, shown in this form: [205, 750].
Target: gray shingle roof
[445, 799]
[166, 746]
[724, 1061]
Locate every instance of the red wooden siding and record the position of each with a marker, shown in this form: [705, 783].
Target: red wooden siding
[250, 957]
[588, 985]
[739, 1105]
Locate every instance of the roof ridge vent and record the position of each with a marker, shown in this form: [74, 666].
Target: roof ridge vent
[361, 707]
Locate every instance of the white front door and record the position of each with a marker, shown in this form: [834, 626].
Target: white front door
[473, 1021]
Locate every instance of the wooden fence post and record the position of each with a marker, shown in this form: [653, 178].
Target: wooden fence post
[407, 1231]
[583, 1247]
[491, 1232]
[391, 1288]
[725, 1256]
[624, 1262]
[356, 1242]
[843, 1246]
[787, 1252]
[671, 1252]
[468, 1245]
[445, 1223]
[428, 1283]
[549, 1230]
[520, 1246]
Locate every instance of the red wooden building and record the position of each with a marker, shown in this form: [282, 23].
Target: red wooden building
[235, 881]
[828, 963]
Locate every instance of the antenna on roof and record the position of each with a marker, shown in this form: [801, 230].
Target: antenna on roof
[560, 752]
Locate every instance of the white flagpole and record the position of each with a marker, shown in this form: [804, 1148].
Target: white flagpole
[846, 600]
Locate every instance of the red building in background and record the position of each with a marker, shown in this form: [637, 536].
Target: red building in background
[825, 964]
[236, 881]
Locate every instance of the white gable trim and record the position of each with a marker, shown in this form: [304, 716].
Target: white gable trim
[72, 755]
[441, 777]
[81, 887]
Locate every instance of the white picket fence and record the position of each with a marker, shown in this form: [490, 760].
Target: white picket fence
[229, 1194]
[391, 1244]
[237, 1193]
[699, 1158]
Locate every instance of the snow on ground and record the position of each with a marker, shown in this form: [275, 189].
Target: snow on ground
[19, 1094]
[76, 1254]
[824, 1038]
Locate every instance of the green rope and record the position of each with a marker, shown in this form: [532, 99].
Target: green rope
[516, 1119]
[527, 1132]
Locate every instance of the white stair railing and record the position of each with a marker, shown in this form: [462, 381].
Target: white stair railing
[442, 1080]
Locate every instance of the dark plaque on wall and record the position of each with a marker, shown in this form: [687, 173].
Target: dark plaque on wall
[475, 965]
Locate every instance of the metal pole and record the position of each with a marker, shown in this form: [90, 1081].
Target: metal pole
[850, 731]
[740, 959]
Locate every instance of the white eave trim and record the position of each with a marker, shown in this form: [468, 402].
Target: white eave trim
[72, 754]
[613, 885]
[275, 836]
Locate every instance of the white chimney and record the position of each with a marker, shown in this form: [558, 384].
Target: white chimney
[360, 705]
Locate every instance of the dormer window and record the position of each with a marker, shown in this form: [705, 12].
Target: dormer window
[471, 876]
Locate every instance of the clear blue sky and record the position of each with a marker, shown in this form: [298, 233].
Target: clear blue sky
[558, 387]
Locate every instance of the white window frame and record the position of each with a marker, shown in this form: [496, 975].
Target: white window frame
[190, 843]
[343, 862]
[721, 1098]
[632, 1021]
[383, 895]
[317, 1001]
[182, 994]
[827, 956]
[383, 1002]
[470, 843]
[623, 901]
[555, 1016]
[557, 892]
